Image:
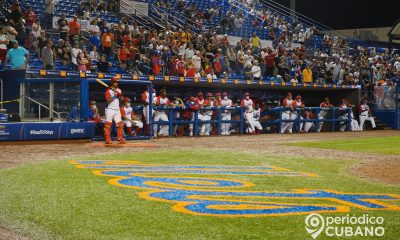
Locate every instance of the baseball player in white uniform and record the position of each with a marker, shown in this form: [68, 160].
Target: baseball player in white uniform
[248, 104]
[354, 124]
[365, 114]
[293, 116]
[207, 115]
[256, 117]
[307, 125]
[129, 119]
[146, 109]
[200, 101]
[113, 95]
[225, 115]
[287, 103]
[161, 115]
[325, 105]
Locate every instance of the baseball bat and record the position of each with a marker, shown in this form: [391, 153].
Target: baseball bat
[101, 82]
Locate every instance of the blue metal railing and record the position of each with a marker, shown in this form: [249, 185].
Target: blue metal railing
[334, 118]
[173, 120]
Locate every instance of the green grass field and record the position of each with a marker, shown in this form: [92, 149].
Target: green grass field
[55, 200]
[387, 145]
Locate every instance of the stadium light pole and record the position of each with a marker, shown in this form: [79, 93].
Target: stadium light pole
[293, 8]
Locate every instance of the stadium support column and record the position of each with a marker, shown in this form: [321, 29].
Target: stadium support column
[84, 98]
[293, 8]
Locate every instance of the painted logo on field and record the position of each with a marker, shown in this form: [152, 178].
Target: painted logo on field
[222, 197]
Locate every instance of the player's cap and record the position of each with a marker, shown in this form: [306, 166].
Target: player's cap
[191, 99]
[298, 97]
[127, 99]
[209, 94]
[224, 94]
[289, 94]
[114, 79]
[200, 94]
[92, 102]
[247, 94]
[326, 99]
[218, 94]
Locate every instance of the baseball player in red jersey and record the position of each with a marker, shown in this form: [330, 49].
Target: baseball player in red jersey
[365, 114]
[164, 102]
[297, 104]
[200, 101]
[325, 105]
[146, 109]
[287, 103]
[191, 107]
[129, 118]
[113, 95]
[247, 101]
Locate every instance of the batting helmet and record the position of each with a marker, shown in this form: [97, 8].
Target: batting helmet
[114, 79]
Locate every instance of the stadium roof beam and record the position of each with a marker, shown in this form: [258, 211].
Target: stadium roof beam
[394, 33]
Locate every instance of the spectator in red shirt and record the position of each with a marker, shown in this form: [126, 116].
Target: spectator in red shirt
[74, 24]
[270, 63]
[190, 70]
[30, 18]
[123, 54]
[180, 66]
[156, 64]
[172, 66]
[131, 58]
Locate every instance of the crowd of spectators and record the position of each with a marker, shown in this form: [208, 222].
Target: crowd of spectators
[128, 48]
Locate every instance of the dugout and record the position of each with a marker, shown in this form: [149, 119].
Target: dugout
[60, 96]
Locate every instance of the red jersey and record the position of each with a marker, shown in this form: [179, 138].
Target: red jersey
[156, 65]
[191, 72]
[270, 60]
[180, 66]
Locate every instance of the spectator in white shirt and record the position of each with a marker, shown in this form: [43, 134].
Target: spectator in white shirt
[211, 75]
[256, 71]
[94, 55]
[197, 61]
[74, 54]
[397, 64]
[302, 36]
[189, 52]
